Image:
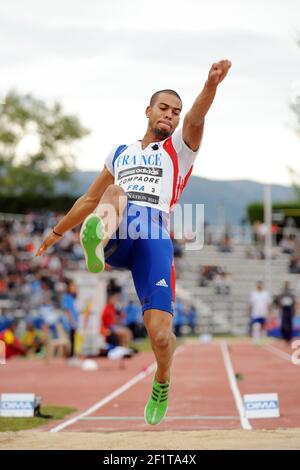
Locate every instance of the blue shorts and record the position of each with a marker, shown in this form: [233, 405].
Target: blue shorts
[142, 244]
[260, 320]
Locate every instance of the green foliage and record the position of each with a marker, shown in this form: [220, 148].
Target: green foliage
[255, 212]
[36, 145]
[287, 209]
[20, 204]
[295, 107]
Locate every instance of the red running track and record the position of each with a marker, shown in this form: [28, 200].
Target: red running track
[201, 396]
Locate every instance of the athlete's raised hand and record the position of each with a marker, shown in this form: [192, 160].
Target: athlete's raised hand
[49, 241]
[218, 72]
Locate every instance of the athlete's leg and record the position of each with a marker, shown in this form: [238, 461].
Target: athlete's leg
[159, 327]
[151, 267]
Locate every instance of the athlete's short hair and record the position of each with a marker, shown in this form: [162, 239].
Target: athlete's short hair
[155, 95]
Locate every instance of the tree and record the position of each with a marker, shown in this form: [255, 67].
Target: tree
[37, 145]
[295, 175]
[295, 107]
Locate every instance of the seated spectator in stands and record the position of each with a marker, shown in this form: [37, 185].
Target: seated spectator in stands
[47, 311]
[32, 339]
[179, 318]
[56, 339]
[207, 274]
[134, 321]
[178, 248]
[13, 345]
[114, 333]
[222, 283]
[287, 245]
[3, 288]
[294, 265]
[225, 245]
[192, 319]
[203, 280]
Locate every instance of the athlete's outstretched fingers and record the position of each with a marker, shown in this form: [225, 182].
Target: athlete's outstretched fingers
[49, 241]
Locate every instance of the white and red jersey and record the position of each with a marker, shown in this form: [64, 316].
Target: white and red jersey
[156, 176]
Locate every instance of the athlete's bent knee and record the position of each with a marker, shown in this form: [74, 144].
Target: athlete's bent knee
[161, 339]
[116, 195]
[113, 190]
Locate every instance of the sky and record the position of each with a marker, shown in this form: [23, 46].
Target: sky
[103, 59]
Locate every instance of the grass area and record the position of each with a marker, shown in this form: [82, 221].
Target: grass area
[48, 413]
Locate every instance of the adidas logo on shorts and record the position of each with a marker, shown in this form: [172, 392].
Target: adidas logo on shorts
[162, 283]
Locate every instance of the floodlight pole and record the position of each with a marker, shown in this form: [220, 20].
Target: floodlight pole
[268, 237]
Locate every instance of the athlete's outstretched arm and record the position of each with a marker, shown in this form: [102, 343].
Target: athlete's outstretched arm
[80, 210]
[193, 123]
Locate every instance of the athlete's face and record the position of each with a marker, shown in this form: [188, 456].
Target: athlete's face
[164, 115]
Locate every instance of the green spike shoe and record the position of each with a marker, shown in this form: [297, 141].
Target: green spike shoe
[91, 238]
[157, 406]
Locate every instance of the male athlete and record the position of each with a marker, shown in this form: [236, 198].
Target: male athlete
[129, 201]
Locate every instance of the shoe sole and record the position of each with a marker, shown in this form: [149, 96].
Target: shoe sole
[154, 424]
[91, 238]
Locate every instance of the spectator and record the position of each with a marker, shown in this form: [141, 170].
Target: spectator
[192, 319]
[3, 288]
[13, 345]
[133, 320]
[56, 339]
[68, 305]
[294, 265]
[287, 245]
[32, 339]
[286, 302]
[225, 245]
[178, 249]
[179, 318]
[207, 274]
[113, 288]
[259, 309]
[222, 283]
[115, 334]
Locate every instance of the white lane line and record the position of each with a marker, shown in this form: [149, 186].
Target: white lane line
[167, 418]
[111, 396]
[234, 387]
[279, 353]
[107, 399]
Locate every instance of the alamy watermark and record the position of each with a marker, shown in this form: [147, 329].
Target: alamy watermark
[138, 221]
[295, 357]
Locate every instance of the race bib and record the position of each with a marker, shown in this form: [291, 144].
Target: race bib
[141, 183]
